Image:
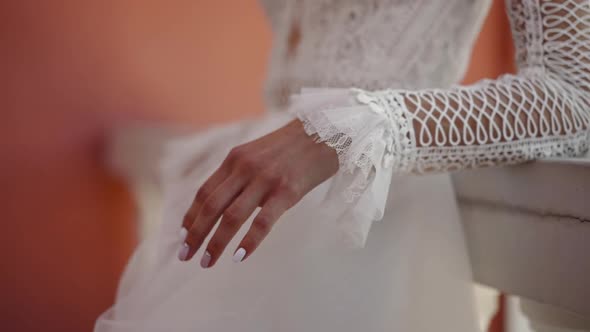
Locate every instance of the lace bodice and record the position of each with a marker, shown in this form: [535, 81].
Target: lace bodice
[343, 43]
[399, 110]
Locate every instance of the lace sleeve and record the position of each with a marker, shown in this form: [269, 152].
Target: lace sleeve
[542, 111]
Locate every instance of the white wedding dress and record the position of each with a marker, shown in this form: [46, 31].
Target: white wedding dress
[374, 248]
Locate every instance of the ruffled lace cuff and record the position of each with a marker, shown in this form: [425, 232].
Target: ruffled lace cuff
[372, 136]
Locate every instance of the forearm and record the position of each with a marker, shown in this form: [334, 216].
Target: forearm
[494, 122]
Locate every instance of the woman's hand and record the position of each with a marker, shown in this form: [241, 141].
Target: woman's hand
[273, 172]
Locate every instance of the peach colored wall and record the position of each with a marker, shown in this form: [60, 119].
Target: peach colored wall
[493, 53]
[72, 69]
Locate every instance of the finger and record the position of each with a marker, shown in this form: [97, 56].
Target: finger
[272, 210]
[209, 213]
[210, 186]
[232, 220]
[204, 192]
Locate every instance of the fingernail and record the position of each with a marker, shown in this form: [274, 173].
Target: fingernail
[182, 234]
[239, 255]
[183, 253]
[206, 260]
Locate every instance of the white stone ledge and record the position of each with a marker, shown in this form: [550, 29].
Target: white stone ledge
[527, 229]
[552, 187]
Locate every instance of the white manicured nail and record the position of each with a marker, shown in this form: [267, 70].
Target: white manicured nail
[183, 253]
[183, 233]
[206, 259]
[239, 255]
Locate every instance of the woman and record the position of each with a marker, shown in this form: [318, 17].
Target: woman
[376, 90]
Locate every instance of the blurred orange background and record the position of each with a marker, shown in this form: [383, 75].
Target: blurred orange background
[74, 69]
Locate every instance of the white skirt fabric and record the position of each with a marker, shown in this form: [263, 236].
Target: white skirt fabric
[412, 275]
